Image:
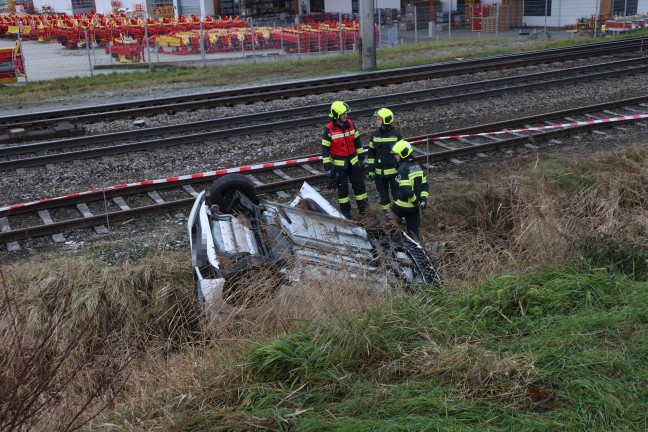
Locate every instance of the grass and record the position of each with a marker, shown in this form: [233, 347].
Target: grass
[240, 75]
[451, 361]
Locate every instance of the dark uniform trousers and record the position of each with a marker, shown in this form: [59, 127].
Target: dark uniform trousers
[383, 185]
[355, 175]
[412, 219]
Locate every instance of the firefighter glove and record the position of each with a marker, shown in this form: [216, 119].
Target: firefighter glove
[333, 179]
[423, 205]
[371, 175]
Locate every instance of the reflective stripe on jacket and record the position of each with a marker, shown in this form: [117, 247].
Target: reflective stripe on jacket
[341, 143]
[412, 184]
[380, 158]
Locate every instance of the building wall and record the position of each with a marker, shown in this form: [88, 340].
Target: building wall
[564, 12]
[343, 6]
[388, 4]
[57, 5]
[200, 8]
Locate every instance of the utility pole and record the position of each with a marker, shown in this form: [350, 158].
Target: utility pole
[367, 34]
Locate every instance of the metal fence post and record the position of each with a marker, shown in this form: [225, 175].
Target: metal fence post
[379, 28]
[252, 40]
[148, 48]
[298, 37]
[24, 60]
[449, 20]
[85, 32]
[415, 26]
[340, 26]
[202, 44]
[497, 19]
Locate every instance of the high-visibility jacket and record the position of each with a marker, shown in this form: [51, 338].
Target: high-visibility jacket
[379, 156]
[412, 184]
[341, 144]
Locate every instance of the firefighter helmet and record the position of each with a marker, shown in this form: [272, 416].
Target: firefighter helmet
[337, 109]
[385, 115]
[402, 148]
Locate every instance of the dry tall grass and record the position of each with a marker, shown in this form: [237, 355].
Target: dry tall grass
[539, 215]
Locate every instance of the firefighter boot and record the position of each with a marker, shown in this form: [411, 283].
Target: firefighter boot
[362, 206]
[345, 208]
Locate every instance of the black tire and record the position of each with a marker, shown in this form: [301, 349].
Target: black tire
[223, 190]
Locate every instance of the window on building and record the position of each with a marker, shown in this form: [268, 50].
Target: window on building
[537, 7]
[629, 6]
[83, 6]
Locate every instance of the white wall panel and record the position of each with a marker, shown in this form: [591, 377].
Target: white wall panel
[388, 4]
[57, 5]
[343, 6]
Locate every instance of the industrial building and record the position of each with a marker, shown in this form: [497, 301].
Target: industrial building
[533, 13]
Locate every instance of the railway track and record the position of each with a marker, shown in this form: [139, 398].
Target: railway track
[102, 209]
[27, 126]
[63, 150]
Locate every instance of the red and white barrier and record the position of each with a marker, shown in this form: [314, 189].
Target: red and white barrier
[290, 162]
[206, 175]
[538, 128]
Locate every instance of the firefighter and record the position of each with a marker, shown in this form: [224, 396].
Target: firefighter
[382, 164]
[342, 156]
[413, 191]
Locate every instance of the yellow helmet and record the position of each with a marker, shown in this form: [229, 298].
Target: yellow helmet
[385, 115]
[402, 148]
[337, 109]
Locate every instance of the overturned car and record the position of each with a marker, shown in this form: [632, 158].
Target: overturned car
[246, 251]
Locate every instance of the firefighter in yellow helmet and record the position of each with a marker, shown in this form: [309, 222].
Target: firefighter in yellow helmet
[413, 189]
[382, 163]
[342, 155]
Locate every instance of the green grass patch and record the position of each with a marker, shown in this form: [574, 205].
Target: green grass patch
[557, 350]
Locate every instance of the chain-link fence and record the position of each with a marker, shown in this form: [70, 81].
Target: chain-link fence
[55, 46]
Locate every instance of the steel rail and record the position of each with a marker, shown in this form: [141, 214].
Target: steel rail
[424, 156]
[435, 96]
[298, 88]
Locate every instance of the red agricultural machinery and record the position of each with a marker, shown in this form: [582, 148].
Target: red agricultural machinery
[126, 50]
[11, 64]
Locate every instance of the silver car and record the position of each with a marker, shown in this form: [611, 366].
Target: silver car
[245, 251]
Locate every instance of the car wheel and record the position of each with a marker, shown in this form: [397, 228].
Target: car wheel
[224, 189]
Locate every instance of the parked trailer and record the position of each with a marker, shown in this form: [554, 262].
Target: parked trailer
[11, 64]
[621, 26]
[126, 50]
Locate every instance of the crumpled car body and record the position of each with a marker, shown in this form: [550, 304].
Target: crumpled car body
[244, 251]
